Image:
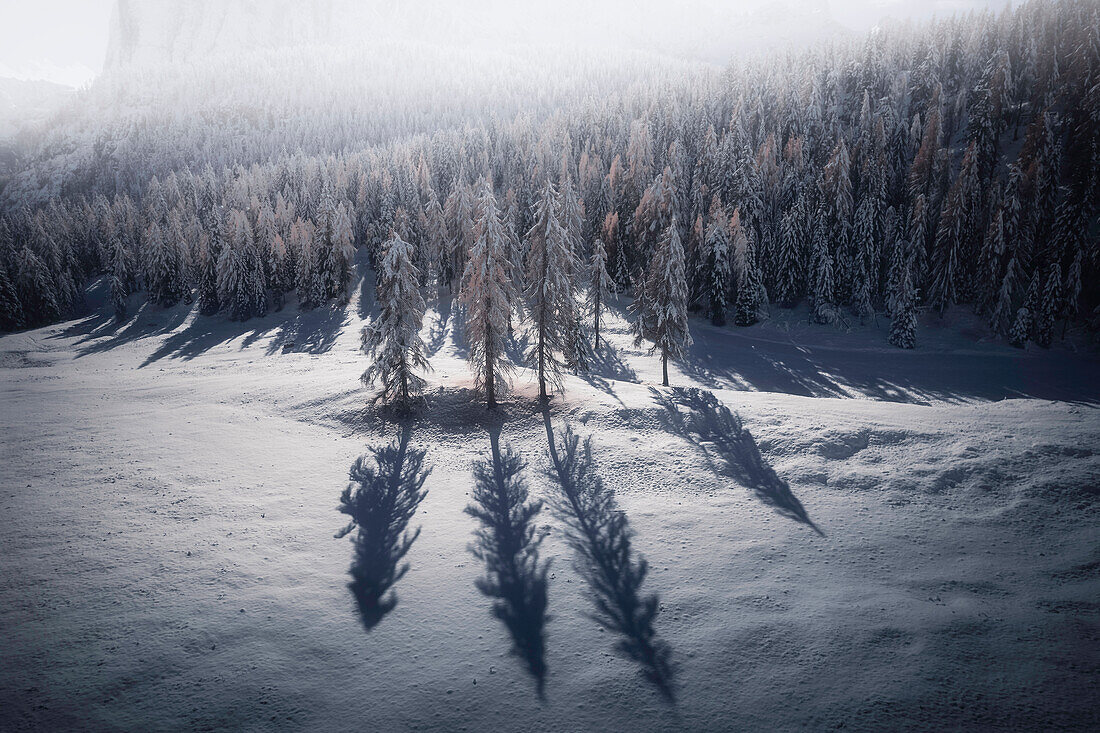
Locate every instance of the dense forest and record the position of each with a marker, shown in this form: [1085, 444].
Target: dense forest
[921, 168]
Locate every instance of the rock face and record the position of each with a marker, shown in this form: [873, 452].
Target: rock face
[174, 31]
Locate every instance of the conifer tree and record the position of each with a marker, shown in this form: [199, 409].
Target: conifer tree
[240, 272]
[435, 241]
[210, 253]
[789, 260]
[750, 288]
[35, 288]
[903, 324]
[165, 267]
[599, 285]
[663, 313]
[824, 306]
[11, 310]
[392, 340]
[549, 264]
[1049, 308]
[120, 278]
[1024, 323]
[718, 263]
[489, 297]
[1072, 292]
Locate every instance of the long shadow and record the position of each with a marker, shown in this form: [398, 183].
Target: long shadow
[604, 367]
[709, 425]
[381, 499]
[508, 545]
[204, 333]
[600, 536]
[310, 332]
[731, 357]
[101, 332]
[437, 335]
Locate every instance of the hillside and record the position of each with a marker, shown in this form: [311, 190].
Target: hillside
[921, 559]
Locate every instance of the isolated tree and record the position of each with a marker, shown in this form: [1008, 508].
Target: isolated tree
[548, 267]
[489, 297]
[392, 340]
[599, 285]
[664, 318]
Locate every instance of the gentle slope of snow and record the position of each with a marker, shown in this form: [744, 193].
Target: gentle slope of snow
[169, 561]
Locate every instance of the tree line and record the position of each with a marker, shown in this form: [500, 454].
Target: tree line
[921, 168]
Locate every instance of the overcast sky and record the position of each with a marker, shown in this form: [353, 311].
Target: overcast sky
[65, 40]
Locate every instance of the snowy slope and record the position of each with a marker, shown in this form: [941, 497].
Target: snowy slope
[910, 550]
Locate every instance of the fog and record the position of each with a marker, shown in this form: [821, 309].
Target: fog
[67, 41]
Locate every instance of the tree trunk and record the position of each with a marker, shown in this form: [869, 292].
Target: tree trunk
[597, 309]
[490, 380]
[542, 362]
[664, 366]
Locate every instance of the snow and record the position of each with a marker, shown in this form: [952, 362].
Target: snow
[170, 503]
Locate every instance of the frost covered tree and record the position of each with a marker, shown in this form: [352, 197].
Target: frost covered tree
[789, 259]
[750, 287]
[392, 340]
[240, 272]
[1024, 322]
[120, 278]
[663, 316]
[210, 252]
[489, 298]
[35, 288]
[599, 285]
[337, 241]
[548, 290]
[1049, 308]
[718, 258]
[824, 305]
[165, 278]
[903, 324]
[11, 310]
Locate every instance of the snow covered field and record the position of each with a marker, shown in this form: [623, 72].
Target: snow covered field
[894, 540]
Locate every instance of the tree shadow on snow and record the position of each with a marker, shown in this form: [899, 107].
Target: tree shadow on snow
[311, 331]
[101, 331]
[508, 543]
[710, 426]
[600, 536]
[725, 357]
[604, 367]
[385, 490]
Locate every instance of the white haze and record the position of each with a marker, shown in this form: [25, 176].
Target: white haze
[66, 41]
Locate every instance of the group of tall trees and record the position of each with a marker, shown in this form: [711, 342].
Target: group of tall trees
[920, 168]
